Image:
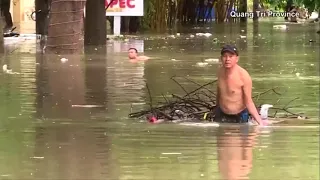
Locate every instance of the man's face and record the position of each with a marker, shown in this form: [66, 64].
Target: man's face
[229, 59]
[132, 54]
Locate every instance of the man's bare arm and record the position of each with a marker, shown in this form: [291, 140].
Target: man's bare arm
[218, 91]
[217, 96]
[247, 88]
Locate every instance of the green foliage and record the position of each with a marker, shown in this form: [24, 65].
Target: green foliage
[311, 5]
[275, 4]
[149, 11]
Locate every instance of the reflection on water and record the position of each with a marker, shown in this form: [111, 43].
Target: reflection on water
[72, 152]
[60, 85]
[235, 152]
[45, 137]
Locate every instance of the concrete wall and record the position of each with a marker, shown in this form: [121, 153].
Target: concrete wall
[21, 10]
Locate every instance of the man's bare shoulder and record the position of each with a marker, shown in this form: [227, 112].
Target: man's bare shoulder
[244, 74]
[219, 71]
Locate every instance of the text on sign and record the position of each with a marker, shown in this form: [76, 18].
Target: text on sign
[122, 3]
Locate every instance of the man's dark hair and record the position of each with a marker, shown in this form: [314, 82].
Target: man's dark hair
[133, 49]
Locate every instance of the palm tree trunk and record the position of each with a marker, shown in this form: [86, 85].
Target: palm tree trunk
[65, 26]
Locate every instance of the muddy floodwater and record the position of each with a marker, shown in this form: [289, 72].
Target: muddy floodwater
[69, 119]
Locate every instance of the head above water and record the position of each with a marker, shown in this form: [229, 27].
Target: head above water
[229, 56]
[133, 53]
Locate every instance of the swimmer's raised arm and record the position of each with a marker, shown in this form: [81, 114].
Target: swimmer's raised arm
[143, 58]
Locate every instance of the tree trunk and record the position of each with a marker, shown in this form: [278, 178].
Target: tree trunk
[65, 26]
[159, 20]
[232, 3]
[221, 11]
[125, 20]
[255, 9]
[243, 8]
[42, 12]
[134, 24]
[95, 31]
[288, 7]
[1, 34]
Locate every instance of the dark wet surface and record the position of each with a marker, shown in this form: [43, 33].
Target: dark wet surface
[45, 135]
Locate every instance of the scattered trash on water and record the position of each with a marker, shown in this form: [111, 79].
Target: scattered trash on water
[211, 60]
[87, 106]
[197, 107]
[279, 26]
[8, 71]
[171, 153]
[63, 60]
[211, 124]
[37, 157]
[5, 175]
[204, 34]
[202, 64]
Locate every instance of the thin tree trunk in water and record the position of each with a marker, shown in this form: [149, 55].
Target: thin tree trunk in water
[65, 26]
[42, 11]
[231, 4]
[221, 11]
[125, 20]
[1, 34]
[159, 21]
[255, 9]
[134, 24]
[243, 9]
[288, 7]
[95, 31]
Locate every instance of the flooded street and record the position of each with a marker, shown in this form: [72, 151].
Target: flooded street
[47, 133]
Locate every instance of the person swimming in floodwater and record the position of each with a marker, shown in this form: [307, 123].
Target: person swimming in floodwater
[234, 88]
[134, 57]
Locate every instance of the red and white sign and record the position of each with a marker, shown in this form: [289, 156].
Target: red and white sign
[124, 7]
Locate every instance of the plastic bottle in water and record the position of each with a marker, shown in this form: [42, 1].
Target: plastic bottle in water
[264, 111]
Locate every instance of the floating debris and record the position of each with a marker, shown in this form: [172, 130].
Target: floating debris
[8, 71]
[171, 153]
[87, 106]
[37, 157]
[279, 26]
[199, 105]
[202, 64]
[204, 34]
[63, 60]
[211, 60]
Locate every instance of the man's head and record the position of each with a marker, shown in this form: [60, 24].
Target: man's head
[133, 53]
[229, 56]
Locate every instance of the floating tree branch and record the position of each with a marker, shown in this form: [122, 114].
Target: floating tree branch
[198, 105]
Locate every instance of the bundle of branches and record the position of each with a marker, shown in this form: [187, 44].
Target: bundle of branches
[198, 105]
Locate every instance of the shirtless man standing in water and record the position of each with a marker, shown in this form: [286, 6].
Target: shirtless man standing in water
[133, 55]
[234, 101]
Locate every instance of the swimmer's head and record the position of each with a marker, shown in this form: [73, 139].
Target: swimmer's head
[133, 53]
